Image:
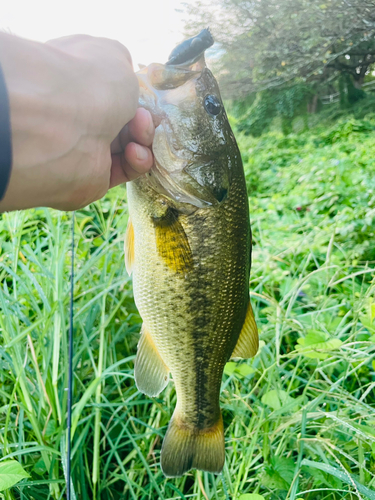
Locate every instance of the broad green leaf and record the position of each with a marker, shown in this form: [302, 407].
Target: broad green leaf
[316, 344]
[290, 404]
[279, 474]
[261, 344]
[367, 323]
[97, 242]
[271, 398]
[240, 369]
[251, 496]
[343, 476]
[315, 337]
[277, 399]
[322, 478]
[40, 467]
[11, 472]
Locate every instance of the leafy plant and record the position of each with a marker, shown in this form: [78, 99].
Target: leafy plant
[296, 426]
[11, 472]
[265, 44]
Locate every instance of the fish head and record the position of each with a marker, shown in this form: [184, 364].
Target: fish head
[194, 147]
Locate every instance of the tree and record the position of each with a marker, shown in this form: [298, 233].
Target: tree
[267, 44]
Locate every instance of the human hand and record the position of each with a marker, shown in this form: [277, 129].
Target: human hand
[76, 130]
[131, 155]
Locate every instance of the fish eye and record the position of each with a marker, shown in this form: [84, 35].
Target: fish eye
[212, 105]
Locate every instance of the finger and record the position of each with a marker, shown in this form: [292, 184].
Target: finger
[139, 157]
[135, 161]
[116, 146]
[140, 129]
[118, 175]
[122, 171]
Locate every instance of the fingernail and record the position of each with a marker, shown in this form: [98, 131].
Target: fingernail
[141, 152]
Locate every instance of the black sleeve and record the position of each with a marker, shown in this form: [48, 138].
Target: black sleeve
[5, 137]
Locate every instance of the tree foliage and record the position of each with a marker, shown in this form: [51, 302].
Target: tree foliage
[269, 43]
[287, 102]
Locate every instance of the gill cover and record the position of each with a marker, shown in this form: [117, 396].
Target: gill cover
[177, 94]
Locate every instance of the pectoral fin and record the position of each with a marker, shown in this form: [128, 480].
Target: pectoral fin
[248, 341]
[150, 372]
[129, 247]
[172, 242]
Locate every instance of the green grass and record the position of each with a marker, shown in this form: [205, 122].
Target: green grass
[299, 417]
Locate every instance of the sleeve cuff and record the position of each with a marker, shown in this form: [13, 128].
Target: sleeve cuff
[5, 137]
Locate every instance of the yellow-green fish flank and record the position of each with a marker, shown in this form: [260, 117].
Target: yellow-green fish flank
[188, 245]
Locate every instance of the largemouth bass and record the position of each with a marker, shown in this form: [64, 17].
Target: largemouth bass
[188, 246]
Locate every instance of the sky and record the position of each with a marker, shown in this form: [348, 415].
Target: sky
[150, 29]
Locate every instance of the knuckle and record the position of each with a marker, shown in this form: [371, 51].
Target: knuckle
[133, 96]
[126, 53]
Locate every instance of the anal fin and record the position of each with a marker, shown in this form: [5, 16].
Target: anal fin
[248, 341]
[129, 247]
[150, 372]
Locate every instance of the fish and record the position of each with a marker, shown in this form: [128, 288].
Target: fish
[188, 249]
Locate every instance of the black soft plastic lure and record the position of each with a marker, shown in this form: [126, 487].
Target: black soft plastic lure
[189, 51]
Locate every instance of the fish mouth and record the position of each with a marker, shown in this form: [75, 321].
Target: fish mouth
[185, 62]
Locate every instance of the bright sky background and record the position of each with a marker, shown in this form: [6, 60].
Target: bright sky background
[150, 29]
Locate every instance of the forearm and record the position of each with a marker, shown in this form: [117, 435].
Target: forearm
[39, 80]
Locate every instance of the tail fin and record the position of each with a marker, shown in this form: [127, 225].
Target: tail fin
[186, 448]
